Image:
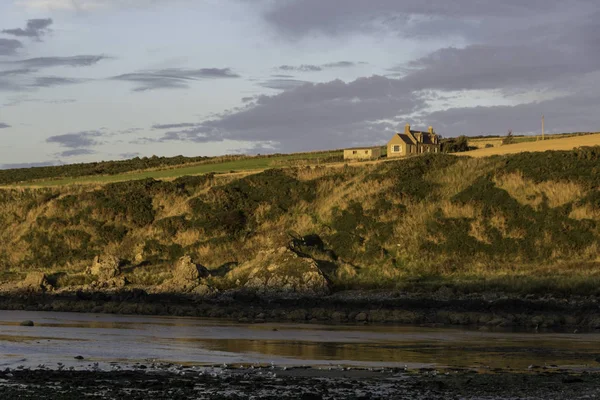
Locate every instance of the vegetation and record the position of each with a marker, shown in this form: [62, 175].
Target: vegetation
[456, 145]
[526, 223]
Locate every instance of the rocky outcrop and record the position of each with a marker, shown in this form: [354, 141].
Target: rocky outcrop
[188, 277]
[107, 269]
[283, 271]
[36, 282]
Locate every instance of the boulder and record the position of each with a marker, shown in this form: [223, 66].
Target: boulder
[36, 282]
[188, 277]
[283, 271]
[105, 267]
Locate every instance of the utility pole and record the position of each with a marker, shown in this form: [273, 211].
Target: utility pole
[542, 127]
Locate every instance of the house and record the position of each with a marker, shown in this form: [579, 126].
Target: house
[362, 153]
[413, 142]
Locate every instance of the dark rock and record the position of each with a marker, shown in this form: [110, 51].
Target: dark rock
[27, 323]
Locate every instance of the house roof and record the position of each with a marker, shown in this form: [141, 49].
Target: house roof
[412, 138]
[405, 138]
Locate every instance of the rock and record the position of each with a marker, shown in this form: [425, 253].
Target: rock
[361, 317]
[187, 277]
[105, 267]
[36, 282]
[78, 357]
[283, 271]
[113, 283]
[27, 323]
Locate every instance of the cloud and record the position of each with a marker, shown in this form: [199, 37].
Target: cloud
[76, 152]
[9, 47]
[312, 116]
[49, 81]
[36, 28]
[491, 67]
[173, 78]
[303, 17]
[174, 126]
[128, 156]
[300, 68]
[49, 62]
[15, 72]
[4, 126]
[316, 68]
[282, 84]
[29, 165]
[571, 113]
[81, 5]
[77, 140]
[17, 100]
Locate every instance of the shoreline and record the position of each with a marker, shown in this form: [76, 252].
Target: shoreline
[486, 311]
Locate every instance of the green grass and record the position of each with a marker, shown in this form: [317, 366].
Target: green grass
[246, 164]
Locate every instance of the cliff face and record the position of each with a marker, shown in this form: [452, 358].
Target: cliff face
[522, 222]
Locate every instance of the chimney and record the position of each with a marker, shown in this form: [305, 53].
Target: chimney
[407, 129]
[431, 132]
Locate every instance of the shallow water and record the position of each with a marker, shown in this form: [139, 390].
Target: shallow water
[57, 338]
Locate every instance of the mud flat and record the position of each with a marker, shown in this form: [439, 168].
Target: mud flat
[179, 382]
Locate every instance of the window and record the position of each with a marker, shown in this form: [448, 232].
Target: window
[366, 151]
[397, 148]
[354, 152]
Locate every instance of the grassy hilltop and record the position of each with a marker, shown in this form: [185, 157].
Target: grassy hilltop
[526, 223]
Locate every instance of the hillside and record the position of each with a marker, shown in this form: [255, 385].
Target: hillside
[522, 223]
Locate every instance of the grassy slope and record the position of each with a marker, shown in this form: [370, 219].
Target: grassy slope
[526, 223]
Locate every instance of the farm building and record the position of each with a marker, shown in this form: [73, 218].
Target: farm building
[413, 142]
[362, 153]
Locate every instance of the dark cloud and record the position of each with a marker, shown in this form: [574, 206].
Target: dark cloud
[312, 116]
[128, 156]
[76, 152]
[316, 68]
[173, 78]
[301, 17]
[282, 84]
[494, 67]
[15, 101]
[173, 126]
[572, 113]
[16, 72]
[300, 68]
[49, 81]
[36, 28]
[78, 140]
[49, 62]
[9, 47]
[4, 126]
[29, 165]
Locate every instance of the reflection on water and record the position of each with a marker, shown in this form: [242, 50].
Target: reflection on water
[489, 353]
[59, 337]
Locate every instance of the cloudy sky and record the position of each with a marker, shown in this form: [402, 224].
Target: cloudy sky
[87, 80]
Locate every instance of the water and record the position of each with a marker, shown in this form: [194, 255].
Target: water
[57, 338]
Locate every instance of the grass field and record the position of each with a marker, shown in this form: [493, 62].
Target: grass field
[247, 164]
[568, 143]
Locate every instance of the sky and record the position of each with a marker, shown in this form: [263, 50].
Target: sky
[92, 80]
